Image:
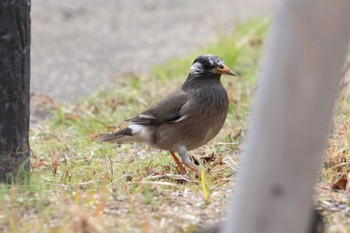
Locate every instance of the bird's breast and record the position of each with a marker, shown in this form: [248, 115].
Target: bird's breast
[209, 119]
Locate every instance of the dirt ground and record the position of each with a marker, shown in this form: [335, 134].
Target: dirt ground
[81, 46]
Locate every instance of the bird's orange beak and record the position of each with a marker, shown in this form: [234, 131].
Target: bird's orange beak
[226, 70]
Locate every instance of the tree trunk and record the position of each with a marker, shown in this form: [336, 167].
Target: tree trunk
[293, 108]
[14, 89]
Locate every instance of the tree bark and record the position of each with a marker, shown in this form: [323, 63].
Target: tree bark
[294, 102]
[14, 89]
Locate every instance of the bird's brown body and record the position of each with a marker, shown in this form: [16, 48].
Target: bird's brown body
[203, 121]
[186, 119]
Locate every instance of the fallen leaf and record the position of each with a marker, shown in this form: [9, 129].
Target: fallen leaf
[94, 136]
[340, 184]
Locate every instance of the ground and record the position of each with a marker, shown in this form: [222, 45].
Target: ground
[78, 185]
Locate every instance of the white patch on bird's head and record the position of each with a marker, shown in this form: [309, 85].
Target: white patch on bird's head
[211, 59]
[196, 68]
[206, 63]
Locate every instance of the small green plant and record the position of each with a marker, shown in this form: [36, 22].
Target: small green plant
[205, 187]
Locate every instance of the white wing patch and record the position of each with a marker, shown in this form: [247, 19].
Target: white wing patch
[144, 116]
[180, 119]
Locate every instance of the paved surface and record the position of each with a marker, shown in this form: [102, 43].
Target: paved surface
[80, 46]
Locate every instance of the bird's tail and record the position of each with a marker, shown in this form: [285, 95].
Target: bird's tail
[122, 135]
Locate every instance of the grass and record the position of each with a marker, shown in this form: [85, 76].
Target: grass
[78, 185]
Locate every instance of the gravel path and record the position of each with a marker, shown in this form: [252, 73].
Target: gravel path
[80, 46]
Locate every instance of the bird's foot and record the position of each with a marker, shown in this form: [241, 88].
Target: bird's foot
[181, 168]
[195, 169]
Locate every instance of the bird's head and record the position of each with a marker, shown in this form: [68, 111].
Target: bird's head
[210, 64]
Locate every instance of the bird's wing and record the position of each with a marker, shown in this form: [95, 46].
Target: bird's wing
[166, 111]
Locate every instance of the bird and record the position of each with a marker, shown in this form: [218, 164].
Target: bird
[187, 118]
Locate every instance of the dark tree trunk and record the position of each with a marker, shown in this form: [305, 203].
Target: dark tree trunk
[14, 89]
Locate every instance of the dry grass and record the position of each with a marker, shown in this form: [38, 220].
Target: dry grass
[332, 196]
[78, 185]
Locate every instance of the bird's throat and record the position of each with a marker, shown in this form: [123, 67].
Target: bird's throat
[194, 81]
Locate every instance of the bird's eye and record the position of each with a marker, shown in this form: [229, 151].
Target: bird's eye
[221, 66]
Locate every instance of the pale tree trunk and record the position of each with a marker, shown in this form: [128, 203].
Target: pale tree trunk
[14, 89]
[291, 117]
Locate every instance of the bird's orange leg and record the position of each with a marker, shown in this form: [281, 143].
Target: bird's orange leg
[178, 163]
